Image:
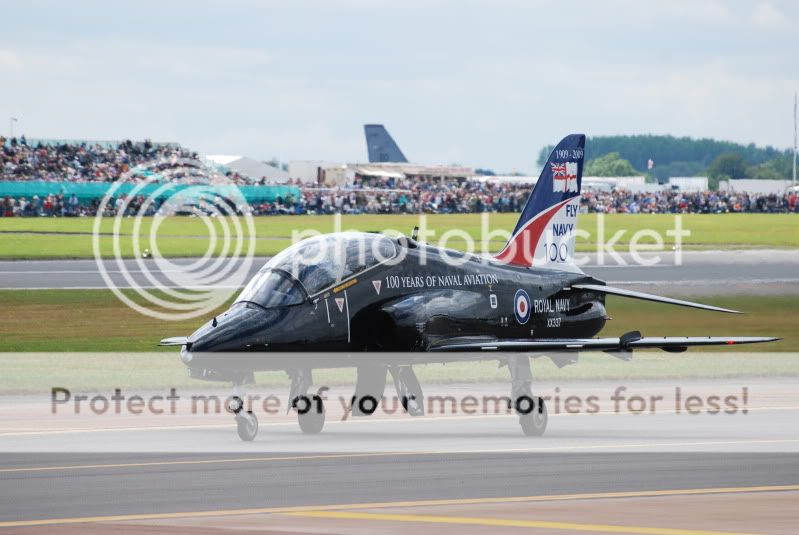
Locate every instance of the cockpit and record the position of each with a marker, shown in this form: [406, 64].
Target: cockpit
[315, 264]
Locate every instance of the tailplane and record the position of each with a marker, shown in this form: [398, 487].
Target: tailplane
[544, 235]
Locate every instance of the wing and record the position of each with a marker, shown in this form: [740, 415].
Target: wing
[625, 343]
[650, 297]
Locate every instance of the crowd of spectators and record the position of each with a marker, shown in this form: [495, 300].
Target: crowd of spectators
[420, 195]
[424, 197]
[51, 205]
[81, 162]
[415, 195]
[676, 202]
[85, 162]
[104, 162]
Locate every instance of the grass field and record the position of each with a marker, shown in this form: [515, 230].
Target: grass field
[22, 238]
[94, 320]
[56, 321]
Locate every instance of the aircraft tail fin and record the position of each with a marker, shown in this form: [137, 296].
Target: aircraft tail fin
[381, 146]
[544, 235]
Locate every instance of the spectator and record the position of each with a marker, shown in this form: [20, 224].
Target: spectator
[85, 162]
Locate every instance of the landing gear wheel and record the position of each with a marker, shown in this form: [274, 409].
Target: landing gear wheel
[311, 415]
[247, 426]
[534, 423]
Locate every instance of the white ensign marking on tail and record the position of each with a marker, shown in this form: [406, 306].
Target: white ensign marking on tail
[564, 177]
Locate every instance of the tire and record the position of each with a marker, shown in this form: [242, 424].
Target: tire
[535, 423]
[312, 422]
[247, 426]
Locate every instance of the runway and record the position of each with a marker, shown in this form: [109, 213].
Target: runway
[391, 473]
[694, 272]
[659, 475]
[195, 491]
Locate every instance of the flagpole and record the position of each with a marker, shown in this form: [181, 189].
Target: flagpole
[794, 138]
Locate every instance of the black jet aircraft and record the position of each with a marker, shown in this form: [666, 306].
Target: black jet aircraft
[383, 304]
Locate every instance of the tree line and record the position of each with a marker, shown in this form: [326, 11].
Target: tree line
[680, 156]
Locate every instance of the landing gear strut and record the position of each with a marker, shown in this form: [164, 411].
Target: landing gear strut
[532, 410]
[408, 389]
[246, 421]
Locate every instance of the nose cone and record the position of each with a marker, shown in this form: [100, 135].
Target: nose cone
[243, 327]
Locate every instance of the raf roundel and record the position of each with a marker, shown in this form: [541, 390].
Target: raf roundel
[521, 306]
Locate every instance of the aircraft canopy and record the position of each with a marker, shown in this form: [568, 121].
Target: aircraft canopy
[315, 264]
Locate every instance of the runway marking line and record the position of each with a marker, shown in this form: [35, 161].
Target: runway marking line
[313, 457]
[506, 522]
[315, 509]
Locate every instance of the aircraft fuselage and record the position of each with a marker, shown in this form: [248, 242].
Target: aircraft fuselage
[407, 306]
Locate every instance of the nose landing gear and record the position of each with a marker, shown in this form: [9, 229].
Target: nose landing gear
[247, 426]
[246, 421]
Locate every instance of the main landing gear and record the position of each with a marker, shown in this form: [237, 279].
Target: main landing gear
[534, 423]
[310, 408]
[531, 409]
[311, 414]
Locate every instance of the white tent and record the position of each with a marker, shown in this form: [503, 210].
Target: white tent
[751, 185]
[250, 167]
[689, 183]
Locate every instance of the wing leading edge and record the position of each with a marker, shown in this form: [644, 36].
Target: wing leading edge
[650, 297]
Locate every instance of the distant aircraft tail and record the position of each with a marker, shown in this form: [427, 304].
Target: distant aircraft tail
[544, 235]
[381, 146]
